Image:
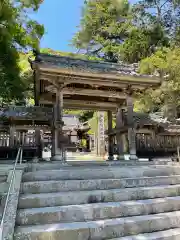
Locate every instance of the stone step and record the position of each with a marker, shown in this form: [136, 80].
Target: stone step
[96, 211]
[171, 234]
[96, 184]
[83, 164]
[56, 165]
[101, 229]
[101, 173]
[95, 196]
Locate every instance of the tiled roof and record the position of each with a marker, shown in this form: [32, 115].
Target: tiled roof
[173, 129]
[33, 113]
[152, 118]
[27, 113]
[157, 119]
[92, 66]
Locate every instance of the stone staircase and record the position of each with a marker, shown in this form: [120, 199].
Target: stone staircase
[99, 203]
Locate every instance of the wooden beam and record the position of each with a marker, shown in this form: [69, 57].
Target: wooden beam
[121, 81]
[31, 127]
[49, 97]
[89, 92]
[83, 80]
[116, 76]
[86, 105]
[89, 104]
[52, 81]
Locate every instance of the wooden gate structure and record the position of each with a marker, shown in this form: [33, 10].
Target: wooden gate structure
[70, 83]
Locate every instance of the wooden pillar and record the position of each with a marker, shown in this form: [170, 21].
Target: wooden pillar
[12, 135]
[119, 137]
[110, 138]
[69, 136]
[131, 129]
[57, 133]
[42, 140]
[38, 153]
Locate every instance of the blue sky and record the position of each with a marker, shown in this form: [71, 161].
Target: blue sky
[60, 18]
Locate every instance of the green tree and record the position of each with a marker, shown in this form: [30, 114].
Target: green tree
[18, 33]
[162, 13]
[104, 26]
[146, 32]
[116, 30]
[166, 62]
[69, 54]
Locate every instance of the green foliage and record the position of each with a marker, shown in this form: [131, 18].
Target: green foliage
[140, 44]
[147, 32]
[9, 72]
[115, 30]
[160, 13]
[166, 62]
[156, 62]
[69, 54]
[86, 115]
[103, 26]
[83, 143]
[17, 33]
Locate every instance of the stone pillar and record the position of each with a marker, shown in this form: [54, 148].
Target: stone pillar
[57, 128]
[101, 139]
[131, 129]
[110, 138]
[125, 143]
[12, 135]
[119, 137]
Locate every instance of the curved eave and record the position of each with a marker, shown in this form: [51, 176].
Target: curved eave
[47, 71]
[73, 66]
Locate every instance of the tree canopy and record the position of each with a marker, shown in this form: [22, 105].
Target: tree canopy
[18, 34]
[117, 30]
[147, 32]
[167, 62]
